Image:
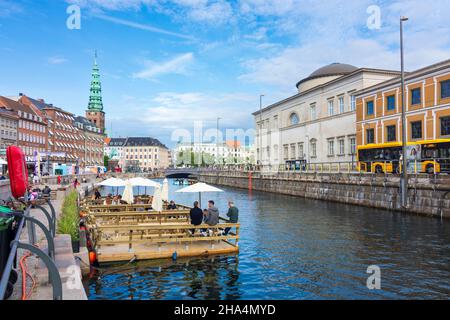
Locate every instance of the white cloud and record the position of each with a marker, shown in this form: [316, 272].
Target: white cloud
[177, 65]
[56, 60]
[141, 26]
[160, 115]
[8, 8]
[328, 33]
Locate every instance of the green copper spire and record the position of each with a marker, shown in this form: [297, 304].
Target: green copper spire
[95, 98]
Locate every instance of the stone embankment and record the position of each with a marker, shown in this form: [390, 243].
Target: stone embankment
[427, 194]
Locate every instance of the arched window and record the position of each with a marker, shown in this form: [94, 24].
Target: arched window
[294, 119]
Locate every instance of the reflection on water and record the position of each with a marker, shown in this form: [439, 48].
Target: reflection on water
[294, 248]
[208, 278]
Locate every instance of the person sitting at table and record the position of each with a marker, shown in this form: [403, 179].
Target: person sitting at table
[196, 215]
[172, 206]
[108, 200]
[116, 200]
[47, 191]
[120, 200]
[211, 217]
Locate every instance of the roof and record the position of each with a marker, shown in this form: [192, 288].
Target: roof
[144, 142]
[334, 69]
[117, 142]
[233, 144]
[87, 124]
[8, 113]
[321, 86]
[14, 105]
[408, 76]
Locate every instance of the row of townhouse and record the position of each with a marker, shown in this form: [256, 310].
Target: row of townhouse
[54, 141]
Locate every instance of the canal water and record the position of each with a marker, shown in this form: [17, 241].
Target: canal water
[293, 248]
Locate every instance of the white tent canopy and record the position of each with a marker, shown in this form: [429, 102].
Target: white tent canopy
[165, 190]
[113, 182]
[141, 182]
[200, 188]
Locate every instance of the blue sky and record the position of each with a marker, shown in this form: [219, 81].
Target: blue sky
[167, 63]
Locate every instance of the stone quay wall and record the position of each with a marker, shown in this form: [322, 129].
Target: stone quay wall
[428, 194]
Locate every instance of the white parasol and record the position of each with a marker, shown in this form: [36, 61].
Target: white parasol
[200, 188]
[157, 204]
[165, 190]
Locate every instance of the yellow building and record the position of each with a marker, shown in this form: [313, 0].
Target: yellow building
[427, 101]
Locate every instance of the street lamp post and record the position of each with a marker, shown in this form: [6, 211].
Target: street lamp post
[217, 142]
[404, 180]
[260, 129]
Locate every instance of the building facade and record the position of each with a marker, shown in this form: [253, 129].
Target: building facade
[145, 154]
[427, 102]
[91, 144]
[9, 121]
[32, 134]
[317, 125]
[63, 139]
[114, 150]
[230, 152]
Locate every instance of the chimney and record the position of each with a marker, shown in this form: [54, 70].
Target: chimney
[41, 100]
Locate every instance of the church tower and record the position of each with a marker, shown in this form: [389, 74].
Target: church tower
[95, 108]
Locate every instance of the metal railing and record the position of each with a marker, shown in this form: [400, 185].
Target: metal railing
[48, 258]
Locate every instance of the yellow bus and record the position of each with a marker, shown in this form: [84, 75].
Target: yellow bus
[428, 156]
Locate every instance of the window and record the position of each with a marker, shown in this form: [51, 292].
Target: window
[445, 126]
[313, 149]
[285, 151]
[293, 151]
[445, 89]
[416, 96]
[313, 112]
[331, 147]
[391, 136]
[341, 105]
[301, 155]
[390, 103]
[369, 108]
[330, 107]
[416, 130]
[352, 145]
[341, 147]
[293, 119]
[370, 134]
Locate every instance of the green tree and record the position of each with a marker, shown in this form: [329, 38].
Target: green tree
[105, 160]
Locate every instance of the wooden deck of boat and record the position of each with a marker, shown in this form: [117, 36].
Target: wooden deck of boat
[149, 251]
[124, 232]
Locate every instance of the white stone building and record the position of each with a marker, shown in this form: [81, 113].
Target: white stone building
[317, 125]
[230, 151]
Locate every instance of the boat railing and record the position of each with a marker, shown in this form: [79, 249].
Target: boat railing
[105, 235]
[138, 217]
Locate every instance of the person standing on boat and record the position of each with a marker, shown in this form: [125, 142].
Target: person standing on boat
[97, 194]
[196, 215]
[233, 214]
